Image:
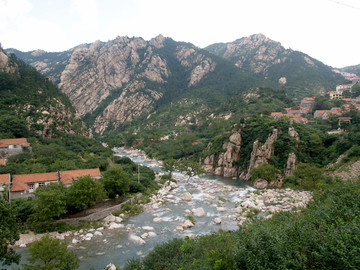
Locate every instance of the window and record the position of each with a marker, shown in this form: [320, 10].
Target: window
[41, 184]
[31, 187]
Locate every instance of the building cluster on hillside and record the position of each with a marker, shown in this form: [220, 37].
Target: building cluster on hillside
[24, 185]
[307, 106]
[349, 76]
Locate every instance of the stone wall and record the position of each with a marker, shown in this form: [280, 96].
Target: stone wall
[100, 214]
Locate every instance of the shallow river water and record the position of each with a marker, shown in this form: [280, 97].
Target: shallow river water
[114, 246]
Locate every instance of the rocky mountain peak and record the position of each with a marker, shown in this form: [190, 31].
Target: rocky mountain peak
[37, 52]
[157, 41]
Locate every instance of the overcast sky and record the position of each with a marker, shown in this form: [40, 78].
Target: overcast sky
[327, 30]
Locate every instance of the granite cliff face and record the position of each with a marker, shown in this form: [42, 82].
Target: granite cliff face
[125, 77]
[223, 163]
[5, 65]
[256, 53]
[261, 153]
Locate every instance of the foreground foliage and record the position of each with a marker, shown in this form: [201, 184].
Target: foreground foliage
[50, 253]
[9, 233]
[325, 236]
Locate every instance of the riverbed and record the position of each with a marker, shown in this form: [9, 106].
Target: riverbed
[213, 202]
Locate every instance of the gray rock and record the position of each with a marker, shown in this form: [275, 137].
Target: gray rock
[198, 212]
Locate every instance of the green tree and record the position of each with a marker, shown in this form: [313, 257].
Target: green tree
[191, 168]
[49, 204]
[9, 233]
[116, 181]
[50, 253]
[84, 193]
[169, 165]
[307, 176]
[264, 171]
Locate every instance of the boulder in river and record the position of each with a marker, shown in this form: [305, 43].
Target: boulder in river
[198, 212]
[136, 239]
[186, 197]
[187, 224]
[217, 220]
[261, 183]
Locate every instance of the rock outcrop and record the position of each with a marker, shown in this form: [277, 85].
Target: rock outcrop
[290, 164]
[223, 164]
[260, 154]
[5, 65]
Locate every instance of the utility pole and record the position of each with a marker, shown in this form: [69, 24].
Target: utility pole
[138, 174]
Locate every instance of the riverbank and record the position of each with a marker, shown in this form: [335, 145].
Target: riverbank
[179, 209]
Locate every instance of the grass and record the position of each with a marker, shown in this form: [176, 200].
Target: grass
[191, 218]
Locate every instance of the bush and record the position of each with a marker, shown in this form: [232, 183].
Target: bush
[265, 171]
[136, 187]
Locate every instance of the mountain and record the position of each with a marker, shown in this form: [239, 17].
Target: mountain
[133, 82]
[121, 80]
[31, 105]
[261, 56]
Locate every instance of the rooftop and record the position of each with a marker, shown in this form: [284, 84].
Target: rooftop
[19, 181]
[68, 176]
[4, 178]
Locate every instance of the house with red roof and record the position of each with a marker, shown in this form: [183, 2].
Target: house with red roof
[24, 185]
[67, 177]
[307, 104]
[4, 181]
[325, 114]
[13, 146]
[3, 161]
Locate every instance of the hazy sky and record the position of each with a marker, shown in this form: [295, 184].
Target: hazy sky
[327, 30]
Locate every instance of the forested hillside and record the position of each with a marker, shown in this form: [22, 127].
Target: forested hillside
[31, 105]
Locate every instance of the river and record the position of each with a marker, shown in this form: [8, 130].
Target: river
[218, 196]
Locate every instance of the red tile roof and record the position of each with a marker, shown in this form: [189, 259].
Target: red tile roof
[2, 161]
[14, 141]
[68, 176]
[4, 178]
[19, 182]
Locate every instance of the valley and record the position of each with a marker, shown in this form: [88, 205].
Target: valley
[227, 144]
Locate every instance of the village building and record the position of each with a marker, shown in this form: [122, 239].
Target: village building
[3, 161]
[4, 181]
[335, 94]
[307, 105]
[13, 146]
[350, 100]
[325, 114]
[298, 119]
[24, 185]
[67, 177]
[343, 87]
